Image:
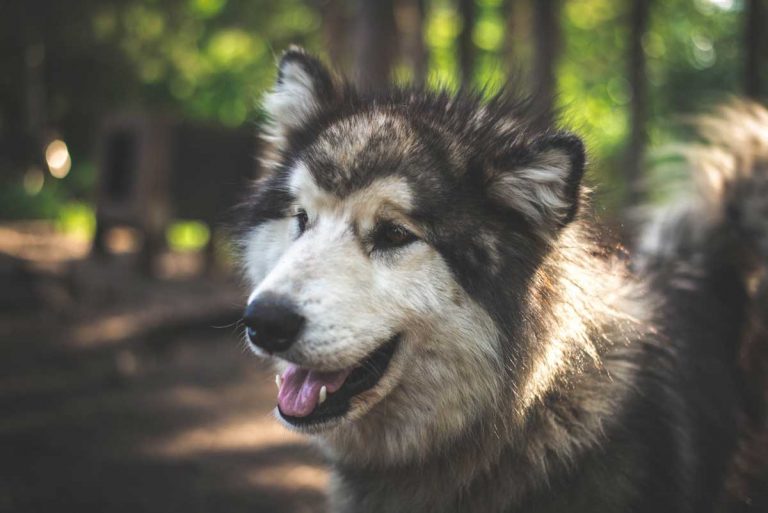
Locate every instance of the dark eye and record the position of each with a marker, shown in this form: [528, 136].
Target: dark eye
[389, 236]
[302, 219]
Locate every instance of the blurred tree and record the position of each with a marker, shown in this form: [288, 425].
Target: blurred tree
[755, 24]
[336, 22]
[66, 64]
[695, 56]
[491, 65]
[547, 46]
[638, 104]
[441, 30]
[518, 48]
[375, 42]
[508, 14]
[466, 45]
[411, 18]
[35, 98]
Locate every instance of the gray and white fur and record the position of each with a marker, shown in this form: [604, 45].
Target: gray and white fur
[536, 370]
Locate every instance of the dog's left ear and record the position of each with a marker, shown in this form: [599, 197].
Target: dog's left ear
[545, 184]
[304, 86]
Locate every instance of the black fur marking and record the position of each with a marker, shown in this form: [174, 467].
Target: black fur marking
[574, 148]
[269, 200]
[322, 81]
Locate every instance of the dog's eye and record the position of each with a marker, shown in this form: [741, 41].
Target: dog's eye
[302, 219]
[389, 235]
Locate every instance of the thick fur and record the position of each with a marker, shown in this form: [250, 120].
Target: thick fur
[536, 371]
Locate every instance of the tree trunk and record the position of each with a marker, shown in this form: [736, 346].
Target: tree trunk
[34, 74]
[508, 50]
[375, 42]
[547, 45]
[638, 107]
[335, 30]
[466, 46]
[754, 42]
[410, 18]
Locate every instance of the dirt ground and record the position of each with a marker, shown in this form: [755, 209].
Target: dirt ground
[177, 419]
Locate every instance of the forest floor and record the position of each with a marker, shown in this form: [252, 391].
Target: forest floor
[147, 402]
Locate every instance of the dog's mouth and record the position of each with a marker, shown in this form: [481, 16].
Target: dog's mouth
[307, 397]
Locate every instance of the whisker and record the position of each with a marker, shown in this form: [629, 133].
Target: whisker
[235, 324]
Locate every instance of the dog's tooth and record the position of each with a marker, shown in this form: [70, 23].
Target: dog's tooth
[278, 381]
[323, 394]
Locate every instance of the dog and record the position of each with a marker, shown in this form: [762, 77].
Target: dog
[447, 326]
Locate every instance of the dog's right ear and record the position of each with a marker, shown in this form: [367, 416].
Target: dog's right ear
[304, 86]
[542, 183]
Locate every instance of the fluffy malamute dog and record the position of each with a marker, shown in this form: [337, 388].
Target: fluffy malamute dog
[445, 326]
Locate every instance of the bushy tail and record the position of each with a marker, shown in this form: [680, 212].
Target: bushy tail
[729, 204]
[723, 224]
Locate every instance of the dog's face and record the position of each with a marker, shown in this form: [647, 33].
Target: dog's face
[375, 245]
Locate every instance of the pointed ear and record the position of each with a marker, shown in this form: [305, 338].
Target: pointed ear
[545, 187]
[304, 86]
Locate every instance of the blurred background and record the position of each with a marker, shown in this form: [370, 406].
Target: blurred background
[127, 131]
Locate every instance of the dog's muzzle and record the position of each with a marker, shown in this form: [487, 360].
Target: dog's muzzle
[272, 322]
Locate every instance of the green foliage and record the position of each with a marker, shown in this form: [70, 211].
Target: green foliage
[207, 59]
[695, 57]
[16, 203]
[187, 235]
[212, 59]
[488, 36]
[443, 25]
[595, 103]
[693, 53]
[77, 219]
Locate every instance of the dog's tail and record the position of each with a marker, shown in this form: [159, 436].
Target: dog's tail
[720, 233]
[726, 216]
[719, 230]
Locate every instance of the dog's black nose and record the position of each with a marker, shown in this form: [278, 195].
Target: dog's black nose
[272, 322]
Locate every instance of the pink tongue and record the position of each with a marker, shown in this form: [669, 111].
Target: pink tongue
[300, 389]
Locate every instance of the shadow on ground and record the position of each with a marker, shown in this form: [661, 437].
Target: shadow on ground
[177, 420]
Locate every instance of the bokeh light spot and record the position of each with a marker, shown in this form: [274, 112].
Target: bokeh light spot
[188, 235]
[58, 159]
[33, 181]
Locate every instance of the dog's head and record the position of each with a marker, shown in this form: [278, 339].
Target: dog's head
[389, 245]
